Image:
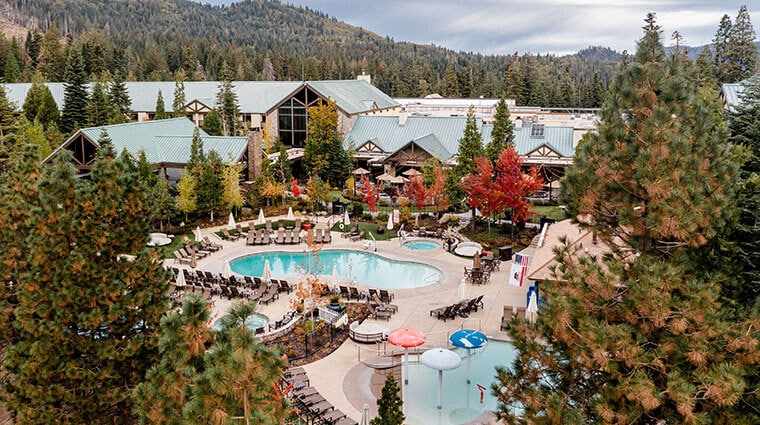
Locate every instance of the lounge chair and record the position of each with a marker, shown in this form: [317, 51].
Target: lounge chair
[280, 239]
[344, 292]
[351, 232]
[209, 247]
[378, 313]
[269, 226]
[240, 232]
[372, 292]
[265, 240]
[206, 239]
[297, 226]
[250, 239]
[441, 311]
[284, 286]
[386, 296]
[389, 307]
[354, 293]
[326, 236]
[227, 236]
[358, 237]
[181, 258]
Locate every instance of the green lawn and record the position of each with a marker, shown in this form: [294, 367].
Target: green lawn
[550, 211]
[368, 227]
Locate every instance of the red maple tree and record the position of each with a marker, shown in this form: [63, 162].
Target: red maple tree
[416, 192]
[294, 188]
[437, 190]
[505, 186]
[369, 193]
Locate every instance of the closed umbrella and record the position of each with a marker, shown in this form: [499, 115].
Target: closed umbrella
[411, 172]
[180, 282]
[261, 220]
[532, 310]
[440, 359]
[468, 339]
[365, 415]
[226, 269]
[290, 213]
[231, 222]
[267, 273]
[476, 263]
[198, 235]
[407, 338]
[462, 290]
[390, 222]
[346, 219]
[193, 259]
[335, 276]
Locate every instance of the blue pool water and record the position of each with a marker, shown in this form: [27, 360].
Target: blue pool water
[421, 245]
[363, 267]
[460, 400]
[253, 322]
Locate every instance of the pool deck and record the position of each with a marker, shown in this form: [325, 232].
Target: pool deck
[341, 377]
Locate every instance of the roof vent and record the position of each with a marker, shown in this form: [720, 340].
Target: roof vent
[402, 118]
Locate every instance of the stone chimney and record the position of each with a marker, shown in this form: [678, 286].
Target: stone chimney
[255, 153]
[364, 76]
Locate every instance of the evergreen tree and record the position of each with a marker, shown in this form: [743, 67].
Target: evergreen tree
[470, 147]
[212, 123]
[722, 44]
[502, 133]
[179, 104]
[34, 134]
[232, 196]
[281, 167]
[160, 107]
[390, 409]
[86, 339]
[741, 56]
[33, 45]
[12, 69]
[210, 187]
[324, 154]
[40, 105]
[52, 58]
[187, 193]
[98, 107]
[74, 112]
[514, 81]
[704, 72]
[227, 103]
[650, 47]
[121, 104]
[9, 128]
[639, 336]
[450, 85]
[197, 156]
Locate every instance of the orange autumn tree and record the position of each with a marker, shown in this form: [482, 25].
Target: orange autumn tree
[416, 192]
[437, 189]
[369, 193]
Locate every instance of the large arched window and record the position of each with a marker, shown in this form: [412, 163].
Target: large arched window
[292, 117]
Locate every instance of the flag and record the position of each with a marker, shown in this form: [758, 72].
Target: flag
[518, 269]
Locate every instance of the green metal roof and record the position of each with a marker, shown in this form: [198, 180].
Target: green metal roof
[732, 93]
[163, 141]
[558, 139]
[433, 146]
[254, 97]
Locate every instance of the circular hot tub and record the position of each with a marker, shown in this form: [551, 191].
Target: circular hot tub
[421, 245]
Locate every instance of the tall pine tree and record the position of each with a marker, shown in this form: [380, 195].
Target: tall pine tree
[74, 113]
[503, 132]
[160, 107]
[324, 154]
[227, 103]
[179, 104]
[741, 55]
[390, 410]
[121, 104]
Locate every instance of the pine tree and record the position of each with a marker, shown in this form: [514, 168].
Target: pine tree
[281, 167]
[160, 107]
[502, 133]
[212, 123]
[324, 154]
[197, 156]
[187, 194]
[52, 59]
[232, 196]
[86, 318]
[390, 409]
[98, 107]
[704, 71]
[639, 336]
[179, 104]
[741, 55]
[121, 104]
[39, 104]
[450, 85]
[470, 147]
[9, 128]
[209, 192]
[12, 69]
[721, 44]
[74, 112]
[227, 103]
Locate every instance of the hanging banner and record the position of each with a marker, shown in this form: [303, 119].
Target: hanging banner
[518, 270]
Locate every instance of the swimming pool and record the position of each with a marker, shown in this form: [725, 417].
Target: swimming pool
[363, 267]
[252, 322]
[421, 245]
[461, 401]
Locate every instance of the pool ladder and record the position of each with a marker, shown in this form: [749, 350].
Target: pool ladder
[427, 280]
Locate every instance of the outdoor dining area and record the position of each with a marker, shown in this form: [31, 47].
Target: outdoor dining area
[482, 267]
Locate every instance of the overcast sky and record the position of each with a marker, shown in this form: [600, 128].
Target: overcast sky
[537, 26]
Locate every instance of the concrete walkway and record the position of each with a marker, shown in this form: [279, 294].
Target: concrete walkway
[341, 377]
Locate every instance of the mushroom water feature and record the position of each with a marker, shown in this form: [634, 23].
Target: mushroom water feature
[440, 359]
[407, 338]
[469, 340]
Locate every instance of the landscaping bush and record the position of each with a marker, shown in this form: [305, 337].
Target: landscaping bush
[382, 217]
[358, 210]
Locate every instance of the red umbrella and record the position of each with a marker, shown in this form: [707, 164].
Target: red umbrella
[407, 338]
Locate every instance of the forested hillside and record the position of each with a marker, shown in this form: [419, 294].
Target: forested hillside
[268, 40]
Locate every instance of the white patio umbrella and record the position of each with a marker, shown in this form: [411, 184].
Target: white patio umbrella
[440, 359]
[180, 282]
[231, 223]
[346, 219]
[226, 269]
[390, 222]
[198, 235]
[532, 311]
[261, 220]
[462, 293]
[267, 273]
[335, 280]
[365, 415]
[290, 213]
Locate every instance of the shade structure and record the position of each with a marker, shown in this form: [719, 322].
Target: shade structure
[532, 310]
[390, 222]
[359, 172]
[290, 213]
[193, 259]
[226, 269]
[398, 180]
[385, 177]
[476, 262]
[365, 415]
[462, 293]
[261, 219]
[267, 273]
[346, 219]
[198, 235]
[468, 339]
[335, 279]
[180, 282]
[440, 359]
[412, 172]
[407, 338]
